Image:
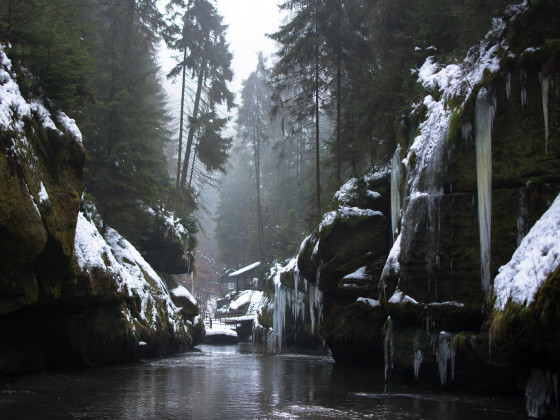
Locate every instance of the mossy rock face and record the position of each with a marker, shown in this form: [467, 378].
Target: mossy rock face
[41, 180]
[95, 286]
[439, 258]
[93, 342]
[528, 336]
[352, 239]
[165, 251]
[23, 234]
[198, 333]
[354, 333]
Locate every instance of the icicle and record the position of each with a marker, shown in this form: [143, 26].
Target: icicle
[388, 345]
[396, 178]
[508, 85]
[271, 340]
[521, 215]
[466, 131]
[545, 83]
[417, 358]
[490, 344]
[445, 353]
[417, 362]
[315, 305]
[523, 77]
[298, 303]
[541, 393]
[281, 300]
[555, 389]
[485, 110]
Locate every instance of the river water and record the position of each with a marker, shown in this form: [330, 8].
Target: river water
[237, 382]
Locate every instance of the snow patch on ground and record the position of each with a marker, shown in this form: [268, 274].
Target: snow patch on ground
[220, 329]
[535, 259]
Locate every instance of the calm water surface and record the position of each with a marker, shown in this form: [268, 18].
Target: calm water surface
[237, 382]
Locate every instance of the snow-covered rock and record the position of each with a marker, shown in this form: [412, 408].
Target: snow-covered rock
[533, 261]
[132, 275]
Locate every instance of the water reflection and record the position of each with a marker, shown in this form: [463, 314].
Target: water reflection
[232, 382]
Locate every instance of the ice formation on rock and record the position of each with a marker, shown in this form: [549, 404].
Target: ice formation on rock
[388, 346]
[541, 391]
[546, 82]
[521, 215]
[418, 354]
[446, 356]
[396, 178]
[293, 300]
[523, 77]
[484, 118]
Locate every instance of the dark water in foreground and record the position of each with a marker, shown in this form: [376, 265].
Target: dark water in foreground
[237, 382]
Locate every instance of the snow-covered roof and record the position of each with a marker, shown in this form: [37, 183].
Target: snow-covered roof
[245, 269]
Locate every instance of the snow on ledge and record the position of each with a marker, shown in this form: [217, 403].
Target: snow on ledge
[181, 291]
[345, 211]
[400, 297]
[371, 302]
[533, 261]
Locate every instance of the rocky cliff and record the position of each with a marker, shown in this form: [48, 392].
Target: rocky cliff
[416, 262]
[69, 297]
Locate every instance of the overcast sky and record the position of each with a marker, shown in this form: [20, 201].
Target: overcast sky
[248, 23]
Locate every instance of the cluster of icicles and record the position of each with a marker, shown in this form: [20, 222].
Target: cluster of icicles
[485, 111]
[442, 345]
[293, 300]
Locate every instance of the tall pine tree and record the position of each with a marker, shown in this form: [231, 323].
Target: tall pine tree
[126, 169]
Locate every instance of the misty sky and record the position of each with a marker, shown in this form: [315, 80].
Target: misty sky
[249, 21]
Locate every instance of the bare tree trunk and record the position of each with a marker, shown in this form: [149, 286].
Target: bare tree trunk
[338, 115]
[180, 151]
[317, 160]
[260, 229]
[192, 128]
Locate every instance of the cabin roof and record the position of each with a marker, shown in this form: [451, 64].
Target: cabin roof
[245, 269]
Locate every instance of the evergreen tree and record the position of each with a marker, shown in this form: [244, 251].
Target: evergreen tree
[297, 76]
[206, 55]
[235, 213]
[253, 128]
[126, 169]
[46, 37]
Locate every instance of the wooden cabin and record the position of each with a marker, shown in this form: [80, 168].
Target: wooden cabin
[242, 279]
